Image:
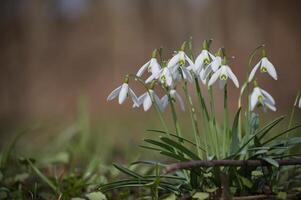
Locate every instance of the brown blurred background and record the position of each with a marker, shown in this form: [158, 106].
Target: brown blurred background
[53, 51]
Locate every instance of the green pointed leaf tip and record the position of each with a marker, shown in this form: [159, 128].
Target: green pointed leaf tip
[271, 161]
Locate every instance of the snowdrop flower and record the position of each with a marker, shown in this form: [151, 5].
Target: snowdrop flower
[299, 105]
[151, 66]
[164, 76]
[265, 66]
[175, 96]
[179, 60]
[260, 96]
[222, 75]
[147, 100]
[212, 67]
[123, 92]
[203, 60]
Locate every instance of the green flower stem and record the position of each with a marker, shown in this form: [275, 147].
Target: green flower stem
[193, 120]
[293, 113]
[226, 121]
[215, 139]
[204, 114]
[174, 117]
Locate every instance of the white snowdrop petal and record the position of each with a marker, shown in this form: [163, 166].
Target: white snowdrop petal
[173, 61]
[155, 68]
[133, 96]
[147, 103]
[123, 93]
[271, 69]
[140, 100]
[253, 71]
[270, 106]
[114, 93]
[268, 96]
[232, 77]
[187, 74]
[254, 98]
[179, 98]
[164, 101]
[214, 77]
[188, 59]
[143, 69]
[299, 103]
[216, 63]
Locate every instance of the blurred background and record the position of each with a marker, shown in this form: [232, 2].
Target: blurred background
[57, 56]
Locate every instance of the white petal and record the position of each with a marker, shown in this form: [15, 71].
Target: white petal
[270, 106]
[186, 74]
[158, 102]
[143, 69]
[168, 77]
[270, 68]
[155, 67]
[114, 94]
[253, 71]
[200, 59]
[133, 96]
[188, 59]
[123, 93]
[173, 61]
[147, 103]
[140, 100]
[153, 76]
[179, 98]
[214, 77]
[164, 101]
[254, 97]
[216, 63]
[299, 103]
[268, 96]
[232, 77]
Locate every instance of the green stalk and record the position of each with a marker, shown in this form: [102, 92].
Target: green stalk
[211, 99]
[174, 116]
[292, 113]
[204, 114]
[193, 119]
[226, 121]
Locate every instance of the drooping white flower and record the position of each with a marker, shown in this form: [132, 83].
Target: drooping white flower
[265, 66]
[202, 60]
[262, 97]
[222, 75]
[179, 60]
[211, 68]
[164, 76]
[147, 99]
[175, 97]
[123, 92]
[151, 66]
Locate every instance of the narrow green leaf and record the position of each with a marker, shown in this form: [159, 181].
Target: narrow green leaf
[271, 161]
[235, 141]
[127, 171]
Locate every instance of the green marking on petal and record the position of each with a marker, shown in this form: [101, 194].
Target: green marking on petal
[206, 61]
[182, 62]
[163, 78]
[263, 69]
[260, 99]
[149, 68]
[223, 77]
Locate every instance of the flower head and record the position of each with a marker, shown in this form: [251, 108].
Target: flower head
[175, 97]
[222, 75]
[147, 100]
[164, 76]
[151, 66]
[263, 98]
[202, 60]
[123, 92]
[265, 66]
[179, 60]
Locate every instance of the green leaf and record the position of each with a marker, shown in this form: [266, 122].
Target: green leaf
[180, 147]
[271, 161]
[201, 195]
[96, 196]
[282, 195]
[282, 133]
[159, 144]
[127, 171]
[246, 182]
[235, 141]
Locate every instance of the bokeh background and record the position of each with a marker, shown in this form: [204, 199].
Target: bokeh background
[57, 56]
